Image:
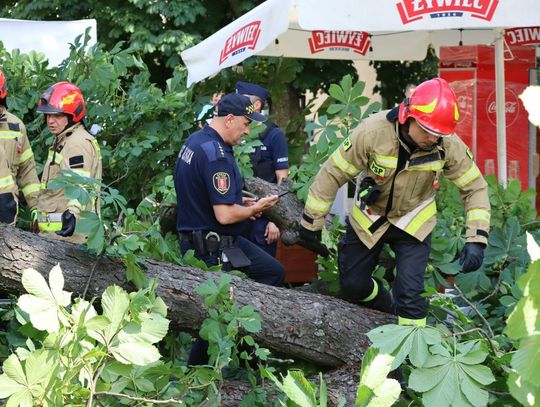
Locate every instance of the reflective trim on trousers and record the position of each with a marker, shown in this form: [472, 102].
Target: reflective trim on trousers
[412, 322]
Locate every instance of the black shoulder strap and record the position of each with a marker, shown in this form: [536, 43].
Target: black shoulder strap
[403, 156]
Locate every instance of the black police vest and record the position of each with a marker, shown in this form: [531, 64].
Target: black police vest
[263, 169]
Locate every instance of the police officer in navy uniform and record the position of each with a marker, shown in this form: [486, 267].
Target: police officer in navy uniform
[212, 214]
[270, 161]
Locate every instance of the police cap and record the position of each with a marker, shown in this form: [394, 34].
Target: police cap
[238, 105]
[246, 88]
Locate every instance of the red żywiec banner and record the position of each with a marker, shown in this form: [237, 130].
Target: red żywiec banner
[242, 39]
[522, 36]
[413, 10]
[358, 41]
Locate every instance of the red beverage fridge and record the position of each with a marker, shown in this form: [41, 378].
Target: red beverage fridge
[470, 70]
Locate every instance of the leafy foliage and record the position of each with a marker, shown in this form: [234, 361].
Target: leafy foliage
[523, 325]
[375, 389]
[346, 108]
[225, 325]
[300, 391]
[80, 351]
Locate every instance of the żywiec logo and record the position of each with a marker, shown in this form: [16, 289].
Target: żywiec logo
[358, 41]
[522, 36]
[413, 10]
[245, 38]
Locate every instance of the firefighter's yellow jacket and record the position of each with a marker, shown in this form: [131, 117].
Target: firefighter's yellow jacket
[74, 149]
[17, 166]
[372, 150]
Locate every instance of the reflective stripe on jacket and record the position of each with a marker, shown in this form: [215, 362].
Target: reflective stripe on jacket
[49, 222]
[17, 166]
[372, 150]
[76, 150]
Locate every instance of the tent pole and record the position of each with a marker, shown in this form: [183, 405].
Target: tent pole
[501, 111]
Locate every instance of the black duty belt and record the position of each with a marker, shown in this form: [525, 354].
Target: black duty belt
[207, 241]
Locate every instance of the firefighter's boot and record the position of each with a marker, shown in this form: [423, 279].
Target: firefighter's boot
[380, 299]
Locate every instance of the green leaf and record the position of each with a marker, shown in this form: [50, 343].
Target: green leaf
[134, 273]
[152, 329]
[21, 398]
[159, 307]
[401, 341]
[13, 369]
[144, 384]
[248, 319]
[525, 392]
[44, 305]
[82, 309]
[337, 93]
[9, 386]
[323, 392]
[446, 381]
[39, 366]
[527, 359]
[115, 303]
[335, 108]
[375, 389]
[97, 323]
[375, 368]
[479, 373]
[137, 353]
[524, 320]
[207, 288]
[36, 285]
[474, 394]
[357, 89]
[299, 390]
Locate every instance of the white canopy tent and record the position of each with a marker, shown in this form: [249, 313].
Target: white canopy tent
[365, 29]
[52, 38]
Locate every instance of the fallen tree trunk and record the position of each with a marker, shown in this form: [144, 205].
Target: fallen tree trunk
[322, 330]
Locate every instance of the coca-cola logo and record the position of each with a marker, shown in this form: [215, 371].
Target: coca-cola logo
[511, 108]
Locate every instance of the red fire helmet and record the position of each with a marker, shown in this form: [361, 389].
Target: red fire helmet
[434, 107]
[3, 85]
[63, 97]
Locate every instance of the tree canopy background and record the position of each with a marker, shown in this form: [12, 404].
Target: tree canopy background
[135, 83]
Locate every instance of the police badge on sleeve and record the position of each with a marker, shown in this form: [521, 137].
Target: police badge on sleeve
[222, 182]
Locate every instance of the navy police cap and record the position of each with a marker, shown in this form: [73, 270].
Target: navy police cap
[238, 105]
[246, 88]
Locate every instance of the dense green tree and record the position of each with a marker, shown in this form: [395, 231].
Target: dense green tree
[393, 76]
[158, 31]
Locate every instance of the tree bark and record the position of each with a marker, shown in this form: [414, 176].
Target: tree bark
[323, 330]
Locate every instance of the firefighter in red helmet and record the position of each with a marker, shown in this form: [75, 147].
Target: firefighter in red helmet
[397, 157]
[74, 149]
[17, 166]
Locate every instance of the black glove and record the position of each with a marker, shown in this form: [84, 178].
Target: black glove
[68, 224]
[368, 191]
[310, 235]
[471, 257]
